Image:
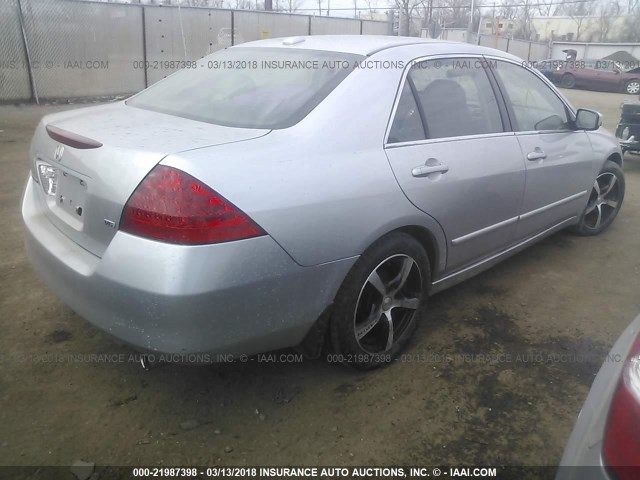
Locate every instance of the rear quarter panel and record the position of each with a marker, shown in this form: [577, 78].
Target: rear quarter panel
[323, 189]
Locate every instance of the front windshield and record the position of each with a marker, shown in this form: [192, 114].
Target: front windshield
[249, 87]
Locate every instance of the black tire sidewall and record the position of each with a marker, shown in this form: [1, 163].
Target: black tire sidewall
[568, 81]
[609, 167]
[341, 329]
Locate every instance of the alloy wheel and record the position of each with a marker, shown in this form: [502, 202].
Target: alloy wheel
[387, 303]
[603, 201]
[633, 87]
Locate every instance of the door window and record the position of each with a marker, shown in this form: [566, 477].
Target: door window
[407, 125]
[535, 106]
[454, 98]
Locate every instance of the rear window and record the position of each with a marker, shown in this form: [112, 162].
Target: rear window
[249, 87]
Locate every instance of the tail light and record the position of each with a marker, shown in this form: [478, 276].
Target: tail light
[622, 438]
[172, 206]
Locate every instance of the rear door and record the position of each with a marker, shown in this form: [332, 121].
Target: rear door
[559, 160]
[454, 160]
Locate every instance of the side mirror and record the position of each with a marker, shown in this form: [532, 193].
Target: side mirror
[588, 119]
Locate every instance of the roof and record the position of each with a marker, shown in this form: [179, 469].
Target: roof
[370, 44]
[622, 56]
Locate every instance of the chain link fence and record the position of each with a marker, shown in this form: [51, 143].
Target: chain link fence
[525, 49]
[14, 71]
[62, 49]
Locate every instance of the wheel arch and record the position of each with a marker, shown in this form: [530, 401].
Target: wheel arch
[431, 239]
[426, 230]
[616, 158]
[428, 242]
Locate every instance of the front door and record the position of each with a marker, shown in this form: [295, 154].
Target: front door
[559, 160]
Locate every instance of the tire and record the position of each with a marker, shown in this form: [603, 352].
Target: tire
[632, 87]
[379, 303]
[568, 81]
[605, 201]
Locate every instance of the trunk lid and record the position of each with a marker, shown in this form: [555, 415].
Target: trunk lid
[92, 185]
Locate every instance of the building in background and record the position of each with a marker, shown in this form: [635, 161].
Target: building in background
[503, 27]
[572, 29]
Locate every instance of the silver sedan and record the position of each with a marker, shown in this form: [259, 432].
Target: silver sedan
[291, 191]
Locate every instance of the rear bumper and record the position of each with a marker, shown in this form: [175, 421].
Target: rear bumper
[241, 297]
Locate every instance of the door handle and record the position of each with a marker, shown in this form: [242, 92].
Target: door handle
[537, 154]
[424, 170]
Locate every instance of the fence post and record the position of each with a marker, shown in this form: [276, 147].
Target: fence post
[144, 45]
[390, 21]
[529, 53]
[309, 27]
[32, 81]
[233, 29]
[508, 42]
[361, 22]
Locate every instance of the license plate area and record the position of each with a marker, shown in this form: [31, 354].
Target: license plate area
[67, 200]
[71, 195]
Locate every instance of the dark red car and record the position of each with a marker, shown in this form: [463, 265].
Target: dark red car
[605, 75]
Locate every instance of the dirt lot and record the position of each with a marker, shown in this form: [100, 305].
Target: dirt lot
[567, 295]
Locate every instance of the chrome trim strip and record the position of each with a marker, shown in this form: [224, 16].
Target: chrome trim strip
[482, 231]
[524, 216]
[427, 141]
[496, 256]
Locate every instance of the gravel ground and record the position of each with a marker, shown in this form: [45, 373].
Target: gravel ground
[564, 296]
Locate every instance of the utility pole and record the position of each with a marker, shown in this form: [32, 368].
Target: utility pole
[470, 26]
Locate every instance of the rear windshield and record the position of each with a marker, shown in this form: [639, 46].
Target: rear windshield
[250, 87]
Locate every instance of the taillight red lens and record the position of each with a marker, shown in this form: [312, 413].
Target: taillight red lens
[172, 206]
[622, 438]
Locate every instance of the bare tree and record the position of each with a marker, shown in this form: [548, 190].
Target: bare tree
[407, 9]
[455, 13]
[578, 13]
[605, 13]
[630, 31]
[525, 13]
[371, 7]
[546, 8]
[240, 4]
[292, 5]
